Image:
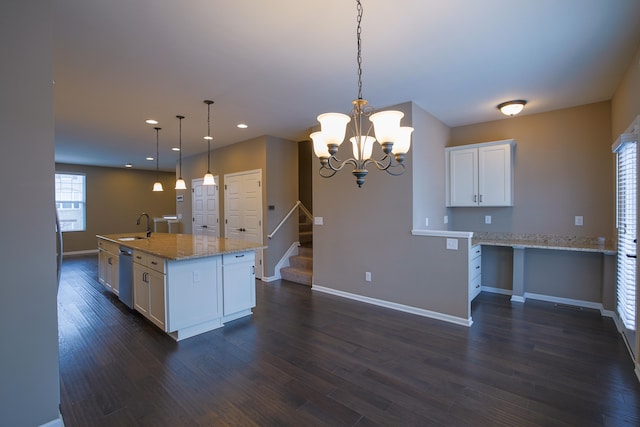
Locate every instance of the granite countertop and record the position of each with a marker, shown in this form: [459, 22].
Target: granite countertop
[180, 246]
[545, 241]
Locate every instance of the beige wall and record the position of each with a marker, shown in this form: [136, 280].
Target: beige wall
[115, 199]
[29, 378]
[563, 168]
[277, 158]
[369, 229]
[625, 105]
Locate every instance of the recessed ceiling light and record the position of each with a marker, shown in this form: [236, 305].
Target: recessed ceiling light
[128, 165]
[242, 126]
[150, 158]
[151, 121]
[175, 149]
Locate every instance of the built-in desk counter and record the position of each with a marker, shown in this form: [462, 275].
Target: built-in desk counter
[524, 242]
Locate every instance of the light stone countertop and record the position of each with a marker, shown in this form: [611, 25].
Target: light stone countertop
[180, 246]
[545, 241]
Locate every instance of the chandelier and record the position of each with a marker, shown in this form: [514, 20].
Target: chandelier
[394, 139]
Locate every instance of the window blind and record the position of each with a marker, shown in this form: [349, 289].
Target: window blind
[626, 223]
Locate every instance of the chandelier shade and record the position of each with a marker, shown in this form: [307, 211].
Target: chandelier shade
[394, 140]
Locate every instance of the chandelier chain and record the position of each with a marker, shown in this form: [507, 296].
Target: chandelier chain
[358, 33]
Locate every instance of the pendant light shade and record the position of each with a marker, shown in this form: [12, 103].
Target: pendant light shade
[157, 186]
[180, 184]
[208, 177]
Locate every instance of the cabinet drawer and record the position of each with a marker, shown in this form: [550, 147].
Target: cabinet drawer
[475, 267]
[111, 247]
[476, 251]
[475, 287]
[141, 258]
[155, 263]
[238, 257]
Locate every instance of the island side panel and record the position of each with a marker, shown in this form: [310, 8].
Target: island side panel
[194, 292]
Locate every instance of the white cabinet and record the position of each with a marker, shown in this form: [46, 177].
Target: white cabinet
[480, 174]
[149, 287]
[239, 284]
[108, 265]
[475, 271]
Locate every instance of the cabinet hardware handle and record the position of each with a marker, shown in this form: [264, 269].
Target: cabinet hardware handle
[477, 286]
[477, 267]
[154, 263]
[477, 251]
[204, 226]
[239, 256]
[110, 261]
[475, 198]
[481, 198]
[631, 256]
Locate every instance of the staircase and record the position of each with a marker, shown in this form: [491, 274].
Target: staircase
[300, 268]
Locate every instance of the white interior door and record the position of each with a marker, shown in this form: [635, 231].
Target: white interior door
[205, 208]
[243, 209]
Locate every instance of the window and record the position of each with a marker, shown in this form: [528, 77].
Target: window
[71, 201]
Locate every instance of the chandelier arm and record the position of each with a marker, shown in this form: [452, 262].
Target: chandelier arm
[327, 172]
[388, 165]
[340, 165]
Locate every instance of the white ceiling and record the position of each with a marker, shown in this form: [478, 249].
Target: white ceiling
[277, 64]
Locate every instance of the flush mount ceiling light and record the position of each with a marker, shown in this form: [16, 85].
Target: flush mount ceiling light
[511, 108]
[394, 139]
[208, 177]
[151, 121]
[128, 165]
[180, 184]
[242, 126]
[157, 186]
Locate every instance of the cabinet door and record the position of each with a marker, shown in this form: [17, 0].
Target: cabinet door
[141, 289]
[238, 288]
[115, 274]
[494, 179]
[156, 298]
[463, 173]
[102, 266]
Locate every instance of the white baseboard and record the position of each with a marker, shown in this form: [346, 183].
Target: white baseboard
[284, 262]
[76, 253]
[59, 422]
[496, 290]
[566, 301]
[395, 306]
[517, 298]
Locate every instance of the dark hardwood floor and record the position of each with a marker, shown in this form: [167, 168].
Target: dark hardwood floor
[307, 358]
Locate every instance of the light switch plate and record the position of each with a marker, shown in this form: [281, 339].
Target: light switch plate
[487, 219]
[426, 222]
[318, 220]
[452, 244]
[367, 276]
[446, 219]
[579, 220]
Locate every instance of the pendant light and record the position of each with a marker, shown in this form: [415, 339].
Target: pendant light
[208, 177]
[157, 186]
[180, 184]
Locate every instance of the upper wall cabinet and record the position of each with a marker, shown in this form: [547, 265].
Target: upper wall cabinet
[480, 174]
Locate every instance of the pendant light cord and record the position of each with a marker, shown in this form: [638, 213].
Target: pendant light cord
[157, 155]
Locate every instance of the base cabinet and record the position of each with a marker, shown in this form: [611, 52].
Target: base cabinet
[239, 283]
[475, 271]
[108, 265]
[149, 288]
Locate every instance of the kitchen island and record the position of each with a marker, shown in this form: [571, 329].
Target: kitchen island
[182, 283]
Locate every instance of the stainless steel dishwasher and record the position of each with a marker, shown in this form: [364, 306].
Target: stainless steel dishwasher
[126, 276]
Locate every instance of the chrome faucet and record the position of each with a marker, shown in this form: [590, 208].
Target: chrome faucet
[148, 222]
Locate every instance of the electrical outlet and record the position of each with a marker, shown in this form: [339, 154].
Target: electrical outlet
[446, 219]
[426, 222]
[367, 276]
[318, 220]
[452, 244]
[579, 220]
[487, 219]
[196, 276]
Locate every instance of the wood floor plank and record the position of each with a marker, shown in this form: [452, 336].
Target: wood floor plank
[306, 358]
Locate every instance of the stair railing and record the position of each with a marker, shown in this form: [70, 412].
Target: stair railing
[297, 205]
